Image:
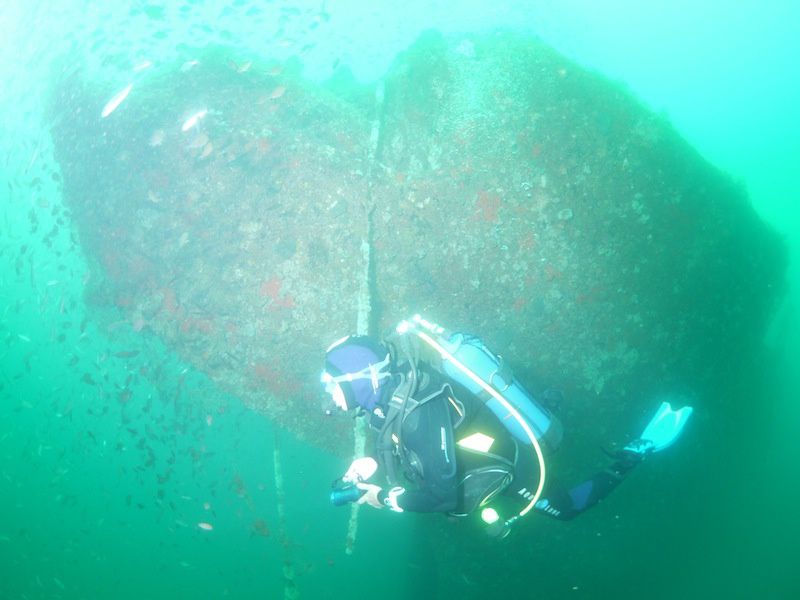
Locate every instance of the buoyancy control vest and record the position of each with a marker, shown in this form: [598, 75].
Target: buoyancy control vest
[467, 361]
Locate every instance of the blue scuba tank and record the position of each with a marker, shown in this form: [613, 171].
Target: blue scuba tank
[474, 354]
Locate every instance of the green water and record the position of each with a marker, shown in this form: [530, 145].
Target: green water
[112, 451]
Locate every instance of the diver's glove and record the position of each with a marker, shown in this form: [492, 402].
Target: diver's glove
[361, 469]
[389, 498]
[371, 494]
[661, 432]
[375, 496]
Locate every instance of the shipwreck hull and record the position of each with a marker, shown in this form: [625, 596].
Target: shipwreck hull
[510, 193]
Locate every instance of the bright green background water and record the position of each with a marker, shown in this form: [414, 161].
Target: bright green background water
[79, 515]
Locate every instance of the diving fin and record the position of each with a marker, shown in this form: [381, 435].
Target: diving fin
[662, 430]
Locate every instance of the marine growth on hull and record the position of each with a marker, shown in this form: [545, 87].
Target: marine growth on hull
[503, 190]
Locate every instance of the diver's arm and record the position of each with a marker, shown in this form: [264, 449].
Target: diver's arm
[377, 497]
[427, 499]
[400, 499]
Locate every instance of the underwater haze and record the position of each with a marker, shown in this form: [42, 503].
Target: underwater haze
[147, 451]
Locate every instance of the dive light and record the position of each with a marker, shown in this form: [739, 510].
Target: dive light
[344, 489]
[343, 493]
[496, 526]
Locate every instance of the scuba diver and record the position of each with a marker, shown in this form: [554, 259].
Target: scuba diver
[457, 433]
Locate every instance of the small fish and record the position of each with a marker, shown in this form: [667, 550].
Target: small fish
[187, 66]
[24, 338]
[142, 66]
[118, 98]
[259, 527]
[278, 92]
[59, 583]
[205, 526]
[198, 141]
[244, 67]
[207, 150]
[157, 138]
[193, 120]
[34, 156]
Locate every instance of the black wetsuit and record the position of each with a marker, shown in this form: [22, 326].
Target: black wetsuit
[435, 464]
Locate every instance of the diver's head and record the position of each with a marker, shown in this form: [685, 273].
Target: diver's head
[356, 368]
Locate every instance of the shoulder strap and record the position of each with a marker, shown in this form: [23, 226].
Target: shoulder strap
[390, 449]
[388, 445]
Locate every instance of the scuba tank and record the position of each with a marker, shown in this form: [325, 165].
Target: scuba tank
[473, 353]
[491, 369]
